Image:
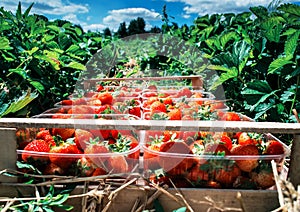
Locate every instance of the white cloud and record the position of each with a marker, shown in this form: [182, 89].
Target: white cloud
[72, 18]
[116, 17]
[93, 27]
[50, 7]
[203, 7]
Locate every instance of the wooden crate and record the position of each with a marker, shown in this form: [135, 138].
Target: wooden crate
[223, 198]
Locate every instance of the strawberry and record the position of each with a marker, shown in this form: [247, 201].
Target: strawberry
[170, 135]
[216, 105]
[46, 136]
[228, 175]
[264, 178]
[105, 134]
[85, 167]
[196, 174]
[227, 141]
[136, 111]
[99, 171]
[175, 114]
[24, 135]
[246, 164]
[94, 147]
[82, 137]
[184, 92]
[157, 107]
[53, 169]
[179, 164]
[67, 102]
[230, 116]
[64, 147]
[81, 109]
[274, 148]
[64, 133]
[104, 97]
[99, 88]
[215, 149]
[79, 101]
[38, 146]
[245, 138]
[117, 164]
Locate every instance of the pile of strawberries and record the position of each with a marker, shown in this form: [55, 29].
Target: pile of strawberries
[190, 159]
[78, 152]
[105, 100]
[212, 159]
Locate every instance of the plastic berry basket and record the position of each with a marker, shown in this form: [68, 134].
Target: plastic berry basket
[202, 170]
[115, 152]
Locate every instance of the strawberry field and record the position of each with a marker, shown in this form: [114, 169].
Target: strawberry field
[99, 131]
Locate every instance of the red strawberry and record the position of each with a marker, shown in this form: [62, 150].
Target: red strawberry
[196, 174]
[53, 169]
[105, 97]
[95, 152]
[64, 133]
[99, 88]
[249, 138]
[184, 92]
[227, 141]
[117, 164]
[274, 148]
[99, 171]
[67, 102]
[246, 164]
[38, 146]
[175, 114]
[157, 107]
[228, 175]
[168, 101]
[81, 109]
[64, 147]
[82, 137]
[176, 164]
[80, 101]
[85, 167]
[264, 178]
[214, 148]
[136, 111]
[170, 135]
[230, 116]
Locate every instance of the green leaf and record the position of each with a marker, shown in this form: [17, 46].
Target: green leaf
[290, 8]
[39, 86]
[291, 44]
[20, 103]
[19, 11]
[262, 100]
[26, 13]
[54, 28]
[277, 64]
[73, 48]
[296, 72]
[78, 31]
[59, 199]
[262, 110]
[254, 92]
[182, 209]
[19, 71]
[158, 207]
[260, 11]
[225, 38]
[231, 73]
[5, 44]
[33, 50]
[76, 65]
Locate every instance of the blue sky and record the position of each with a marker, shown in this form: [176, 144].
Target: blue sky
[96, 15]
